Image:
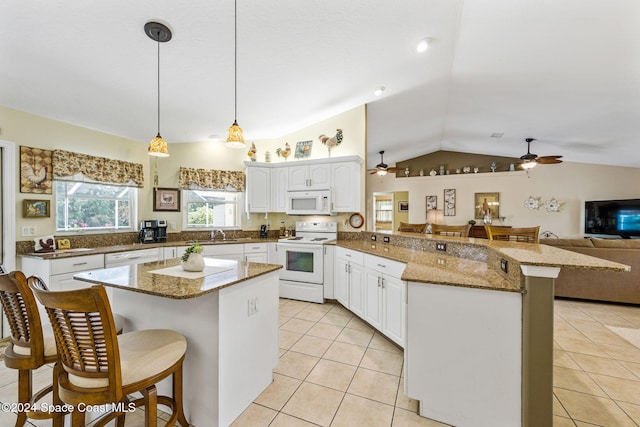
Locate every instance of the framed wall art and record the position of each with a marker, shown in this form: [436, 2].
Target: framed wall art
[487, 204]
[166, 199]
[303, 149]
[403, 206]
[36, 208]
[36, 173]
[432, 203]
[449, 202]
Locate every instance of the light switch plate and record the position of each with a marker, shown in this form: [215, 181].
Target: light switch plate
[441, 247]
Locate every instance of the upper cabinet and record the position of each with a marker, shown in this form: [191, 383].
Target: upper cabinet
[268, 183]
[258, 189]
[310, 177]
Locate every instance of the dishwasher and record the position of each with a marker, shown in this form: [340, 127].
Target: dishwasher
[132, 257]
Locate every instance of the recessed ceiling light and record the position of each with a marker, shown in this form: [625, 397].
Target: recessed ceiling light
[379, 90]
[422, 45]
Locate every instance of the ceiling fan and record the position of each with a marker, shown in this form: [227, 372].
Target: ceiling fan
[382, 168]
[530, 160]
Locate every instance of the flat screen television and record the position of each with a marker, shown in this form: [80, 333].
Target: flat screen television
[612, 217]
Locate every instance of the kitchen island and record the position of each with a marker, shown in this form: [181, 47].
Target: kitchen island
[229, 315]
[479, 325]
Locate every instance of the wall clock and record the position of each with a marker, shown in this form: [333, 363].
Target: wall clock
[356, 220]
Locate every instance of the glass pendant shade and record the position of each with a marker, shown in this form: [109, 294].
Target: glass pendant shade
[158, 147]
[528, 165]
[235, 136]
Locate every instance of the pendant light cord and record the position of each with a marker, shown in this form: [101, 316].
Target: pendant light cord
[158, 40]
[235, 63]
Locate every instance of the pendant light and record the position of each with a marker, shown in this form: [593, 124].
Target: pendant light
[235, 137]
[160, 33]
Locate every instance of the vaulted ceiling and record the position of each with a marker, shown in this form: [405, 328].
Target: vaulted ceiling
[564, 72]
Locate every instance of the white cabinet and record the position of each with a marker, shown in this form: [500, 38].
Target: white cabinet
[305, 177]
[384, 297]
[345, 179]
[258, 189]
[329, 258]
[279, 185]
[349, 279]
[58, 273]
[170, 252]
[272, 253]
[224, 251]
[256, 252]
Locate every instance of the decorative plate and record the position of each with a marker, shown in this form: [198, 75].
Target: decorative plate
[531, 203]
[552, 205]
[356, 220]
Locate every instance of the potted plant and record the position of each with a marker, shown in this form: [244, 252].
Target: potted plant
[192, 258]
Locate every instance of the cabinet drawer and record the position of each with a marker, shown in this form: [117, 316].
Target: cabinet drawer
[222, 249]
[384, 265]
[80, 263]
[255, 247]
[349, 254]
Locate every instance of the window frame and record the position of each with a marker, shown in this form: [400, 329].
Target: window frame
[185, 210]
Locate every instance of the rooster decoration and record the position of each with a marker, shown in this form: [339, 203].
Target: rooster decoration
[252, 152]
[284, 152]
[35, 177]
[334, 141]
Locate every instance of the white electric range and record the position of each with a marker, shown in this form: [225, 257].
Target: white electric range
[302, 258]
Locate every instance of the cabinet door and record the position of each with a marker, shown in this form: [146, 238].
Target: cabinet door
[170, 252]
[258, 189]
[256, 257]
[393, 307]
[373, 298]
[298, 177]
[345, 178]
[320, 176]
[329, 257]
[279, 186]
[272, 253]
[341, 281]
[356, 289]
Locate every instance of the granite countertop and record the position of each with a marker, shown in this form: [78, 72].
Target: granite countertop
[76, 252]
[146, 278]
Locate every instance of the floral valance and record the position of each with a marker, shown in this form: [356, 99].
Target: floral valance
[211, 179]
[68, 165]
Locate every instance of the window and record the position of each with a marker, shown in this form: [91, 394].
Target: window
[90, 206]
[210, 208]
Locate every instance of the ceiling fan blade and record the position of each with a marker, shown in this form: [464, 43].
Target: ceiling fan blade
[549, 157]
[548, 160]
[392, 170]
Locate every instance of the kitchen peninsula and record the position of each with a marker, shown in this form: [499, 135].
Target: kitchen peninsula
[229, 315]
[479, 328]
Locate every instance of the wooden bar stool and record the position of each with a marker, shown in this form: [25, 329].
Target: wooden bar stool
[522, 234]
[451, 230]
[97, 367]
[29, 348]
[37, 283]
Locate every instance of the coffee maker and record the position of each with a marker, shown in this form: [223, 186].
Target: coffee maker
[153, 231]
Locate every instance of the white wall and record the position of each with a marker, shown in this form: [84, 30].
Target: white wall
[570, 183]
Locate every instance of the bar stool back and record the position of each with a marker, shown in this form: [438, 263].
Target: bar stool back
[451, 230]
[522, 234]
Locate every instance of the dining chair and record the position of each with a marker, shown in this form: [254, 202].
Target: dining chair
[99, 367]
[451, 230]
[521, 234]
[413, 228]
[29, 347]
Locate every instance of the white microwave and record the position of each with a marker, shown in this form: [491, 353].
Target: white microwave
[309, 202]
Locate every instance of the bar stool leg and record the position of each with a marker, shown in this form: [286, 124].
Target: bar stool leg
[177, 396]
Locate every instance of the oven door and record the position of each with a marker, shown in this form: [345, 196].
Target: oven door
[301, 262]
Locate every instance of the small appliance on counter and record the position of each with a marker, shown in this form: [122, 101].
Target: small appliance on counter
[153, 231]
[264, 229]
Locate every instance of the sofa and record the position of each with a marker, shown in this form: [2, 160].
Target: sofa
[619, 287]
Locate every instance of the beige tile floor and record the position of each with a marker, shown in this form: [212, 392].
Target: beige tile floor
[336, 371]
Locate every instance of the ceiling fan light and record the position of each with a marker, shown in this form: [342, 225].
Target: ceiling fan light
[235, 136]
[158, 147]
[528, 164]
[381, 172]
[422, 45]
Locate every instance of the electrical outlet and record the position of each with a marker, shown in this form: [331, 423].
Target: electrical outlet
[172, 225]
[441, 247]
[373, 237]
[29, 230]
[441, 261]
[252, 304]
[385, 239]
[504, 265]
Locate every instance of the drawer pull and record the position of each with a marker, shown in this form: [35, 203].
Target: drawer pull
[79, 263]
[381, 265]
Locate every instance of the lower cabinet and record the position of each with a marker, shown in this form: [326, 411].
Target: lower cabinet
[256, 252]
[373, 290]
[58, 273]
